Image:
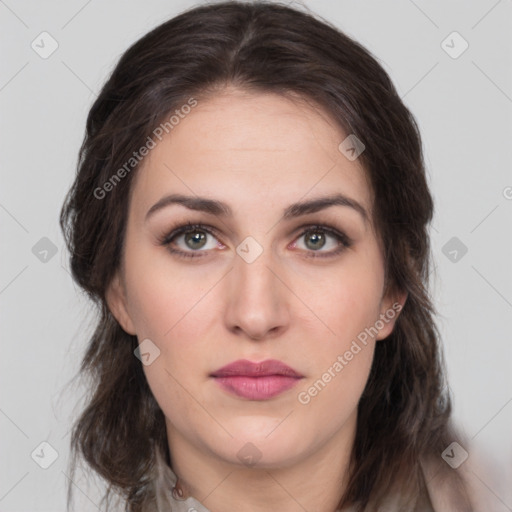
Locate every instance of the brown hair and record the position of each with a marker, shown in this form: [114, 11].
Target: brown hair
[403, 414]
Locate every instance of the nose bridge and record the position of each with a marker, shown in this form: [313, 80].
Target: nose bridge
[255, 277]
[257, 300]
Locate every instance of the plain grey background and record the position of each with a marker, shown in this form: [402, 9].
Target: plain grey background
[463, 104]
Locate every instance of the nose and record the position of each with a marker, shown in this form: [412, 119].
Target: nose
[257, 298]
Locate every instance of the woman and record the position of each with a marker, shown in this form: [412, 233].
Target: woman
[250, 215]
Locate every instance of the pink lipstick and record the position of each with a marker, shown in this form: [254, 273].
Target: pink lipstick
[256, 381]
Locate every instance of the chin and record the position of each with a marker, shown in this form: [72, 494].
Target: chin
[259, 449]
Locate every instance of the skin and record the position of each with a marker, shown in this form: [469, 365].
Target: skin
[258, 153]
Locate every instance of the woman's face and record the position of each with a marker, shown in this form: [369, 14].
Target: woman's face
[251, 282]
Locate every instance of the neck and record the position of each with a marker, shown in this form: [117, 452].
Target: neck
[313, 481]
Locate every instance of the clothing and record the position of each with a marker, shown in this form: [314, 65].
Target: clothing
[173, 503]
[441, 495]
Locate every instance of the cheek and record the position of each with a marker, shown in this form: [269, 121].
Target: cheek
[161, 297]
[350, 302]
[350, 308]
[176, 312]
[174, 324]
[331, 395]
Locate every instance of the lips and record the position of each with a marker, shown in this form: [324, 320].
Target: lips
[256, 381]
[250, 369]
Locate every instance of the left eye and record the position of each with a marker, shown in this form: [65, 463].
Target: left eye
[195, 238]
[318, 238]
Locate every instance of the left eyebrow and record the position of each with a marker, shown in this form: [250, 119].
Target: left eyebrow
[321, 203]
[221, 209]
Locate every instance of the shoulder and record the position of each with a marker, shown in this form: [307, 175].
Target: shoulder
[452, 487]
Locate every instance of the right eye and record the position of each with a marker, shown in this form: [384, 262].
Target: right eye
[190, 239]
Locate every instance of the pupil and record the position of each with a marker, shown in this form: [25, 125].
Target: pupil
[316, 238]
[195, 237]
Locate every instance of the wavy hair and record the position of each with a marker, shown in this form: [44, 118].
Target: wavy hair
[404, 414]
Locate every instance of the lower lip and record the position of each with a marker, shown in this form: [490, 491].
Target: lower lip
[257, 388]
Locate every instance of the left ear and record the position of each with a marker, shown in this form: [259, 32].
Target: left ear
[391, 306]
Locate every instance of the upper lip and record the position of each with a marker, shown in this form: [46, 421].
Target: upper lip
[252, 369]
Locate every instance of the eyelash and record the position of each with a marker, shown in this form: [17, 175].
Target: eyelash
[345, 241]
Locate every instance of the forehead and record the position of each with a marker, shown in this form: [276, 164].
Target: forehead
[247, 148]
